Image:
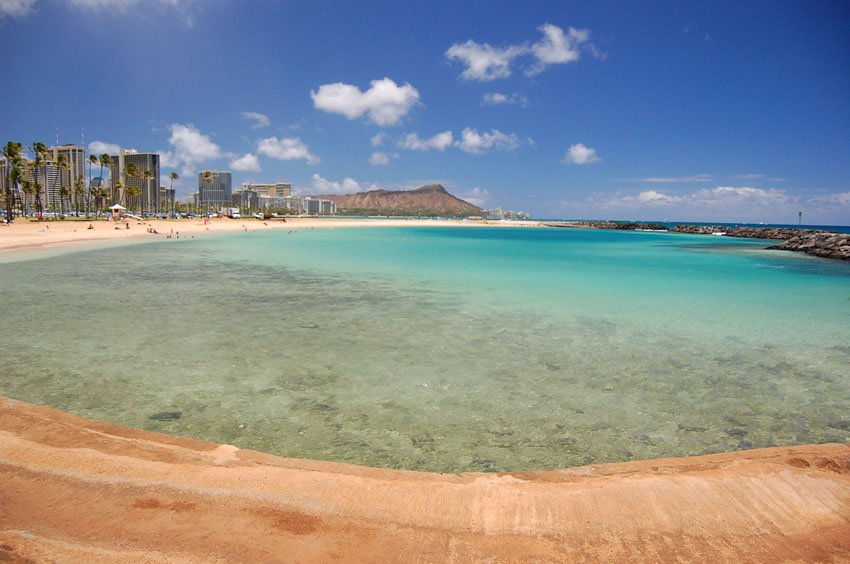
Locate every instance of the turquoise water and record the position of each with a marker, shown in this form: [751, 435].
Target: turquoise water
[447, 349]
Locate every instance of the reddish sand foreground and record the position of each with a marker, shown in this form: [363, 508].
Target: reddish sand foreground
[73, 489]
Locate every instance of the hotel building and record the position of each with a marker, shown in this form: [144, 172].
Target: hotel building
[148, 189]
[215, 192]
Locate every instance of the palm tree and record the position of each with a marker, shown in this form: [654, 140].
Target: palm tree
[12, 153]
[207, 175]
[92, 161]
[28, 190]
[174, 176]
[106, 160]
[147, 192]
[132, 171]
[61, 164]
[39, 150]
[79, 190]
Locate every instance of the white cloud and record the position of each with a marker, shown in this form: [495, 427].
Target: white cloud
[320, 185]
[191, 146]
[16, 8]
[500, 99]
[100, 147]
[246, 163]
[484, 62]
[580, 155]
[476, 196]
[260, 120]
[287, 149]
[720, 198]
[168, 160]
[840, 199]
[556, 47]
[385, 102]
[473, 142]
[438, 142]
[379, 158]
[653, 197]
[378, 140]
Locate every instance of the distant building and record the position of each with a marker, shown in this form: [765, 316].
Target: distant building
[148, 196]
[75, 167]
[166, 198]
[215, 191]
[315, 206]
[273, 190]
[246, 199]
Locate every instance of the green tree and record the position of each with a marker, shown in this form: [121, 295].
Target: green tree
[131, 172]
[64, 191]
[174, 176]
[79, 190]
[92, 161]
[146, 187]
[106, 160]
[39, 150]
[14, 162]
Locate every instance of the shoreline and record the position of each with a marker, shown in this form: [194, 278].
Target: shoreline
[71, 235]
[79, 490]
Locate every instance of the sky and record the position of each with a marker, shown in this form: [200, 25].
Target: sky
[733, 111]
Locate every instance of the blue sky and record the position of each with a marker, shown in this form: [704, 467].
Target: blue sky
[688, 111]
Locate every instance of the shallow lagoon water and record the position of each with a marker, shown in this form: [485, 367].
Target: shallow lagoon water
[446, 349]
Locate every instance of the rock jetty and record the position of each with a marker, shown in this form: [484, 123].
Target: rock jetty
[826, 244]
[818, 243]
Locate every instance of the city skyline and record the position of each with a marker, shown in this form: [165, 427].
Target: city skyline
[679, 111]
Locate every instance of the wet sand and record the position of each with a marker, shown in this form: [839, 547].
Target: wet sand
[72, 489]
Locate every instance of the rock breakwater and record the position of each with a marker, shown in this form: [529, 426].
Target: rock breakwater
[818, 243]
[825, 244]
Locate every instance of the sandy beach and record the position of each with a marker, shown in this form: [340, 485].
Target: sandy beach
[74, 489]
[30, 236]
[77, 490]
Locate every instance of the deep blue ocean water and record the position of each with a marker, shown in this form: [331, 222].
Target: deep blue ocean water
[444, 348]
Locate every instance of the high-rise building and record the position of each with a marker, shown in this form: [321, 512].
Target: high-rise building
[74, 167]
[216, 190]
[147, 186]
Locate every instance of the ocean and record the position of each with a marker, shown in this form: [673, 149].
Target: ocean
[444, 349]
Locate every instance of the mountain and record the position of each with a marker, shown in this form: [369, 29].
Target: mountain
[432, 199]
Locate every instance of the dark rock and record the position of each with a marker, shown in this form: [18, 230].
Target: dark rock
[166, 415]
[737, 432]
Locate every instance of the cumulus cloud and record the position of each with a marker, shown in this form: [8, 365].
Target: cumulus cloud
[379, 158]
[385, 102]
[378, 139]
[579, 154]
[100, 147]
[500, 99]
[484, 62]
[260, 120]
[321, 185]
[287, 149]
[189, 148]
[476, 196]
[246, 163]
[438, 142]
[473, 142]
[16, 8]
[557, 47]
